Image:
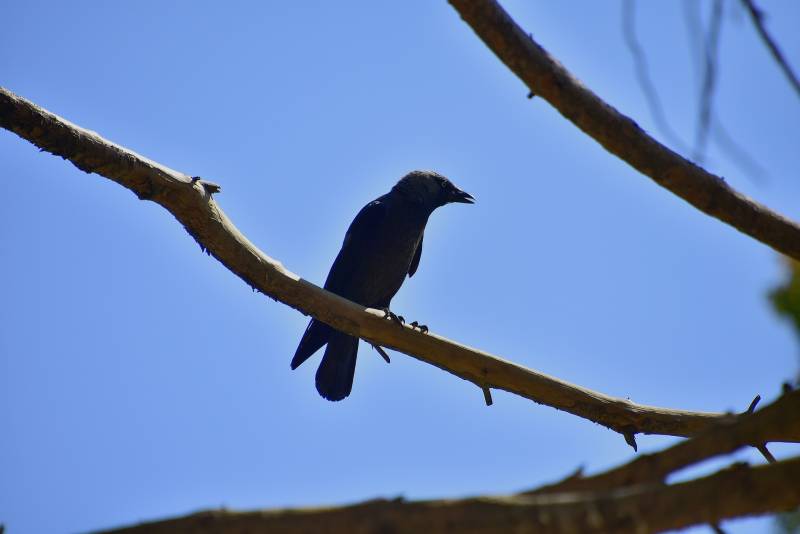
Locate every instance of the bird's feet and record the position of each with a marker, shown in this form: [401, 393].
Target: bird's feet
[389, 314]
[422, 327]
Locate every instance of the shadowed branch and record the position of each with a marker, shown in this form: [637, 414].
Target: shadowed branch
[750, 429]
[619, 134]
[734, 492]
[630, 498]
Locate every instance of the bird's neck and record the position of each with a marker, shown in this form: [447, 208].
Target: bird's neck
[414, 209]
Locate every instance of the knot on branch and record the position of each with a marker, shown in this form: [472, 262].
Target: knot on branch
[209, 187]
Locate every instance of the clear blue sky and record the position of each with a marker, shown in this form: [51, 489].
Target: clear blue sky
[140, 379]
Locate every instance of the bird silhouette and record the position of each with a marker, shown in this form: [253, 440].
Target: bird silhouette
[382, 245]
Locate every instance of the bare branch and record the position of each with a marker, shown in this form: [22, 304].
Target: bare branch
[753, 404]
[730, 493]
[711, 48]
[757, 16]
[189, 200]
[738, 154]
[643, 75]
[762, 448]
[619, 134]
[750, 429]
[487, 396]
[630, 498]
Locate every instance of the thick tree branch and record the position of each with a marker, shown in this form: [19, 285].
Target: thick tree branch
[734, 492]
[619, 134]
[189, 200]
[751, 429]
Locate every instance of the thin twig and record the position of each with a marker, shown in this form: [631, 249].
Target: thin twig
[711, 48]
[762, 448]
[757, 16]
[694, 34]
[487, 396]
[643, 75]
[719, 132]
[753, 404]
[740, 156]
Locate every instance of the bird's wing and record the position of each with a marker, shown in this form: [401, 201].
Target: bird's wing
[339, 278]
[356, 239]
[417, 255]
[317, 334]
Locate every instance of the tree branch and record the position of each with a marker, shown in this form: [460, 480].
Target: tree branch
[189, 200]
[751, 429]
[734, 492]
[757, 16]
[619, 134]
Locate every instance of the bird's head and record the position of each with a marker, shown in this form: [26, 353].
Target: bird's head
[431, 190]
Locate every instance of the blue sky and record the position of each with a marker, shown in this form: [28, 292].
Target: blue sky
[140, 379]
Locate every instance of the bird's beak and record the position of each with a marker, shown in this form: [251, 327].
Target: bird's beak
[457, 195]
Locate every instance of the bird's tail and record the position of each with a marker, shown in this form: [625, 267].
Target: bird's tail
[335, 373]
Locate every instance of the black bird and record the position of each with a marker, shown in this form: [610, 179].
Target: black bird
[381, 247]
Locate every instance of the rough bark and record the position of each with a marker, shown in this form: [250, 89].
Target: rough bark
[735, 492]
[781, 416]
[619, 134]
[190, 201]
[631, 498]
